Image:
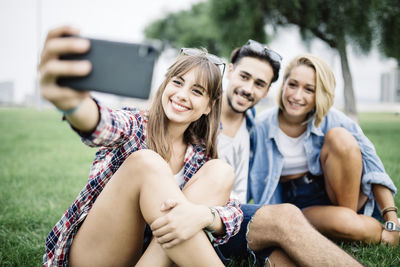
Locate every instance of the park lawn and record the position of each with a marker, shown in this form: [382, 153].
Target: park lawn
[43, 166]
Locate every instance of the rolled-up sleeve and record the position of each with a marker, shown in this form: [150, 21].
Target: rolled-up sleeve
[115, 127]
[373, 169]
[232, 217]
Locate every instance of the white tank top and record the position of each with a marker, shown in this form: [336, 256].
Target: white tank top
[292, 149]
[179, 177]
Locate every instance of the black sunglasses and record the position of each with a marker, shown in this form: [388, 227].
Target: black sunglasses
[212, 58]
[259, 48]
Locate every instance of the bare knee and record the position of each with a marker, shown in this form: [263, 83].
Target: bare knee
[142, 165]
[144, 159]
[273, 223]
[340, 142]
[218, 174]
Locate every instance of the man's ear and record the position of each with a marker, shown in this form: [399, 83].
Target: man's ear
[231, 67]
[266, 91]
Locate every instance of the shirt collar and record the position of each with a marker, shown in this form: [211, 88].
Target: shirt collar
[273, 126]
[313, 129]
[195, 153]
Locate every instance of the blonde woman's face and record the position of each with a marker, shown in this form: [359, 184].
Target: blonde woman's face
[298, 95]
[184, 100]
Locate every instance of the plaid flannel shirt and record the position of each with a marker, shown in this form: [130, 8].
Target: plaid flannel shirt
[119, 134]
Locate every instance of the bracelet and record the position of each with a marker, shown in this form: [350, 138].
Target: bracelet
[388, 209]
[69, 111]
[208, 228]
[209, 235]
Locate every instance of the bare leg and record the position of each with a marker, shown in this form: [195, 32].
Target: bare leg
[341, 162]
[210, 186]
[285, 226]
[279, 258]
[112, 233]
[341, 223]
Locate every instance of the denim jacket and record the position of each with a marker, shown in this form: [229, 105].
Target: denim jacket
[267, 163]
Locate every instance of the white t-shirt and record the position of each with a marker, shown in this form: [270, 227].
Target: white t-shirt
[235, 151]
[294, 153]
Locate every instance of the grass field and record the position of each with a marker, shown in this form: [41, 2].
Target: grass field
[43, 166]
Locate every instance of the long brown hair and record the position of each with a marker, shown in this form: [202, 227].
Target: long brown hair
[325, 85]
[204, 131]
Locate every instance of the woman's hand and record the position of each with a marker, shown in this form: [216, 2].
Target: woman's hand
[390, 238]
[182, 221]
[51, 67]
[85, 115]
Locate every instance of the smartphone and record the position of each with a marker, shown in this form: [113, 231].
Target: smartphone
[124, 69]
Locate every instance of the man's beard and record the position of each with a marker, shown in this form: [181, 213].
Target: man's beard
[250, 98]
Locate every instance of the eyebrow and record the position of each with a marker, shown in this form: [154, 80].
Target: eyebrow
[201, 87]
[196, 84]
[258, 80]
[307, 84]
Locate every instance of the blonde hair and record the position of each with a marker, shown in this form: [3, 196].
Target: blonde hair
[325, 84]
[204, 131]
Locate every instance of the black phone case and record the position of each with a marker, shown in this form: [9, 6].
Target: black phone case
[124, 69]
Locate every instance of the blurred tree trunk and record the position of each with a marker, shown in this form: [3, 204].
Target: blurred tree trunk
[350, 107]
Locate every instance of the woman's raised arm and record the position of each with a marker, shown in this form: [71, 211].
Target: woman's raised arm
[78, 107]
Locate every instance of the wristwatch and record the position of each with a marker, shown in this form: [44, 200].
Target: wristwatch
[391, 226]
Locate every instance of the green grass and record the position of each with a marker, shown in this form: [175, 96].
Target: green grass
[43, 166]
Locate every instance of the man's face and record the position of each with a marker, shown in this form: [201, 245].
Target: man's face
[249, 81]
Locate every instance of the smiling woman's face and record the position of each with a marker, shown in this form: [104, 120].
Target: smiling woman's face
[184, 100]
[298, 95]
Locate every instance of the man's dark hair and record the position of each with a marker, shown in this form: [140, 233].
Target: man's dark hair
[246, 51]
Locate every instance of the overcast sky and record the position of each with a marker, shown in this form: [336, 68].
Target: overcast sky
[24, 24]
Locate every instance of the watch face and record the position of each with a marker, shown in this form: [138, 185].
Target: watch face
[389, 226]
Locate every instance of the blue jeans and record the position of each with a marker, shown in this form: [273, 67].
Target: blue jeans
[237, 245]
[309, 190]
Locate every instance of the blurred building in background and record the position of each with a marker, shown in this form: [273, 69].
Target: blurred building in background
[390, 86]
[6, 93]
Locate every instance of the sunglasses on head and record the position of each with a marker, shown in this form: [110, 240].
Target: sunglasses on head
[262, 49]
[212, 58]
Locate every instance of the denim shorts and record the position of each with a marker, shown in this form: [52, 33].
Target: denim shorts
[306, 191]
[309, 190]
[237, 245]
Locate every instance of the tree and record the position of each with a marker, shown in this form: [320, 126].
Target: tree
[203, 25]
[388, 24]
[188, 28]
[237, 21]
